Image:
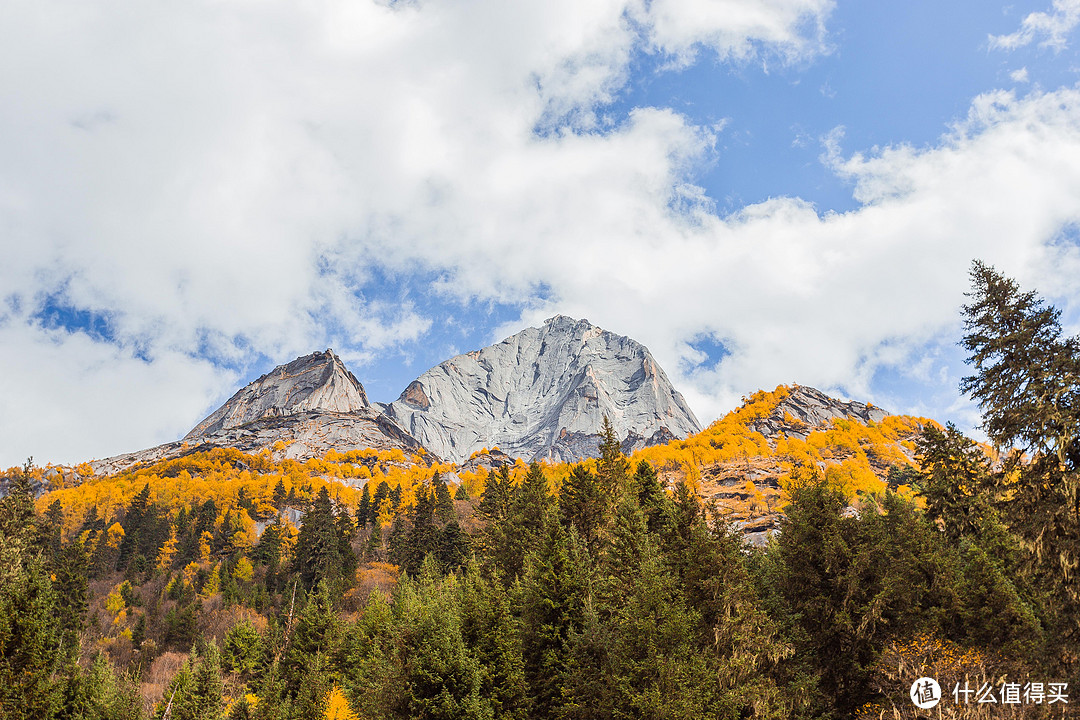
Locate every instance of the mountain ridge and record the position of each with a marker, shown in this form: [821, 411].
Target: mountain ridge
[541, 394]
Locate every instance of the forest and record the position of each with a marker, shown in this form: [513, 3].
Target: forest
[230, 585]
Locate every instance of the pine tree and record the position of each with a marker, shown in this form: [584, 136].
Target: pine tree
[584, 502]
[423, 535]
[498, 540]
[612, 467]
[491, 631]
[954, 478]
[322, 550]
[654, 502]
[29, 637]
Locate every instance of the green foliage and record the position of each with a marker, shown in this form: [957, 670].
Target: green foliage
[584, 501]
[195, 692]
[241, 649]
[954, 476]
[850, 582]
[323, 549]
[1027, 384]
[556, 592]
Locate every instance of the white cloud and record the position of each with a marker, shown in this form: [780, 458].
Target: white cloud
[66, 398]
[1019, 76]
[1051, 27]
[218, 178]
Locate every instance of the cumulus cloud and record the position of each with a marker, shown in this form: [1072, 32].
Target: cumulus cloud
[1050, 28]
[221, 180]
[217, 180]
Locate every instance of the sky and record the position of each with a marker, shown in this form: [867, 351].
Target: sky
[760, 191]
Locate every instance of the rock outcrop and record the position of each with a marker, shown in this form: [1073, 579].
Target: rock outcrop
[301, 410]
[806, 409]
[318, 382]
[542, 393]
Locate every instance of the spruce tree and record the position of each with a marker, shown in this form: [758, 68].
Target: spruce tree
[555, 595]
[1027, 384]
[444, 504]
[584, 501]
[363, 510]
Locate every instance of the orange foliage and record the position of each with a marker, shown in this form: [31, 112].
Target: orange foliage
[337, 706]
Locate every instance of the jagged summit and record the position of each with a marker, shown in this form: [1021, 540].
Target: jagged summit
[302, 409]
[542, 393]
[312, 383]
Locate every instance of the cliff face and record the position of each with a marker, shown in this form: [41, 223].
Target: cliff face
[314, 383]
[543, 393]
[310, 406]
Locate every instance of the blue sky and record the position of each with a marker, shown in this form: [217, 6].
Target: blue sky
[761, 192]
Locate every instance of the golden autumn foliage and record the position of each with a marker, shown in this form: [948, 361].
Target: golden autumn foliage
[220, 474]
[337, 706]
[852, 456]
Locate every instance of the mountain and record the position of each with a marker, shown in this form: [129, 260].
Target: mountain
[319, 382]
[310, 406]
[542, 394]
[805, 409]
[743, 460]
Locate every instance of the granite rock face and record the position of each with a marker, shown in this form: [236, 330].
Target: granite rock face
[811, 410]
[310, 405]
[318, 382]
[542, 394]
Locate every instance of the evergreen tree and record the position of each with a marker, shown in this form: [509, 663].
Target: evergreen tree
[851, 584]
[654, 502]
[1027, 384]
[584, 502]
[323, 550]
[373, 551]
[318, 633]
[954, 478]
[612, 468]
[636, 655]
[195, 692]
[556, 591]
[451, 547]
[498, 539]
[491, 632]
[444, 504]
[363, 510]
[381, 493]
[423, 535]
[442, 678]
[30, 649]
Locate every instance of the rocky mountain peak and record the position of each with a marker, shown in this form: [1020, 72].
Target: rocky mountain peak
[315, 382]
[811, 409]
[542, 393]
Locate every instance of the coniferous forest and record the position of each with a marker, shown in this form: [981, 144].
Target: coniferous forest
[594, 590]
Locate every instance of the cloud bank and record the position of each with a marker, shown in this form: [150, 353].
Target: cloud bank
[210, 181]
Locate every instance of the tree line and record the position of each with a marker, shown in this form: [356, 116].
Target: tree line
[614, 597]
